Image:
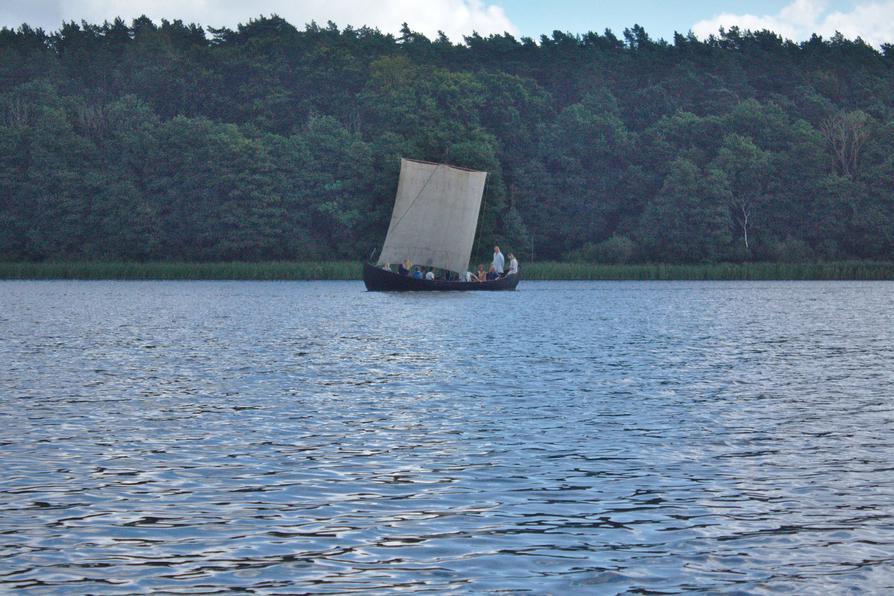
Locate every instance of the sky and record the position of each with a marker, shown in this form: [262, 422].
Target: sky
[873, 20]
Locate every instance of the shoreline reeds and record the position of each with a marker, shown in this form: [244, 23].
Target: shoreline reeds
[236, 270]
[352, 270]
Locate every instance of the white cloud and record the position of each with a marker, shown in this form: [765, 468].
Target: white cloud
[455, 17]
[873, 21]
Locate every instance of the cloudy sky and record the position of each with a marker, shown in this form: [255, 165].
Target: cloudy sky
[873, 20]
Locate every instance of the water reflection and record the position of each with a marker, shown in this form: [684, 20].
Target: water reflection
[570, 436]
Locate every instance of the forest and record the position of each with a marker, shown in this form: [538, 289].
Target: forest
[174, 142]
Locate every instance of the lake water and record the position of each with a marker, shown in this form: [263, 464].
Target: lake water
[568, 437]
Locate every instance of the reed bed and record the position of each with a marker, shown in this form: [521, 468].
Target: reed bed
[838, 270]
[352, 270]
[277, 270]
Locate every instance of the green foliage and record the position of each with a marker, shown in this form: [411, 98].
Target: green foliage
[616, 250]
[687, 221]
[161, 142]
[791, 250]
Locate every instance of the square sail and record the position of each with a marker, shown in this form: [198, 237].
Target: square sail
[435, 216]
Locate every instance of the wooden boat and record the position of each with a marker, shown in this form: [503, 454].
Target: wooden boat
[433, 225]
[380, 280]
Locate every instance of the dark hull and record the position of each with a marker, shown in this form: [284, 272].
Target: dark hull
[379, 280]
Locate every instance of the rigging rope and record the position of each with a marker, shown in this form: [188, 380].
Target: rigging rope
[483, 206]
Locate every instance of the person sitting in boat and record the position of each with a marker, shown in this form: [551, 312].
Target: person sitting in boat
[404, 268]
[417, 273]
[513, 265]
[480, 275]
[492, 274]
[386, 266]
[430, 276]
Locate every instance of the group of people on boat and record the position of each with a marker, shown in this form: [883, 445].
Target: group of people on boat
[496, 271]
[497, 268]
[407, 269]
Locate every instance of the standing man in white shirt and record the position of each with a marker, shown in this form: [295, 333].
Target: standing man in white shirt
[498, 261]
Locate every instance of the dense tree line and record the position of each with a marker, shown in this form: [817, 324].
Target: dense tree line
[170, 141]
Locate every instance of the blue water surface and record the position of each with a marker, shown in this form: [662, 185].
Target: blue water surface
[567, 437]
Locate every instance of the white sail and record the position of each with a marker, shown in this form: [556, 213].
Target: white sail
[435, 216]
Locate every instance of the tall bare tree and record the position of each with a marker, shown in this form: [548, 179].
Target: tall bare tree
[745, 168]
[846, 133]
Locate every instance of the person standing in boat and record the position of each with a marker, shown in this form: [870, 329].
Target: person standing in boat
[498, 261]
[513, 265]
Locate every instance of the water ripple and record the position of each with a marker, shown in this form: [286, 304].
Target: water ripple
[311, 437]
